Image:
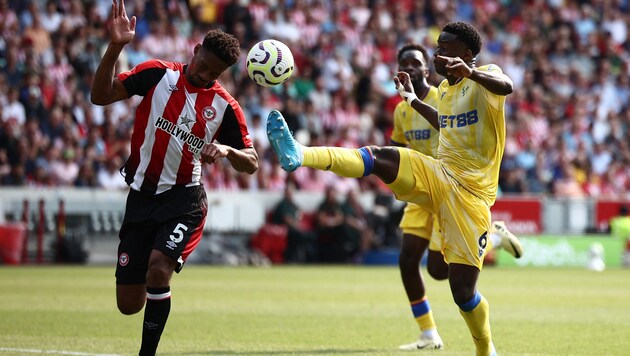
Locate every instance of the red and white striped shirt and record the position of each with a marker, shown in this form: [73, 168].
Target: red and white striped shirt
[173, 122]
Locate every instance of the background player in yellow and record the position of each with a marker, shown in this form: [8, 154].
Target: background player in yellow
[420, 230]
[460, 185]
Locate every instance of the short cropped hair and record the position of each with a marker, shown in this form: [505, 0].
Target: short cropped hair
[466, 33]
[414, 47]
[225, 46]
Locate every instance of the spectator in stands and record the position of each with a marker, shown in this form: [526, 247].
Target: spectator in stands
[38, 35]
[14, 110]
[9, 23]
[5, 166]
[87, 176]
[358, 237]
[50, 17]
[330, 228]
[16, 177]
[300, 240]
[66, 170]
[109, 177]
[384, 220]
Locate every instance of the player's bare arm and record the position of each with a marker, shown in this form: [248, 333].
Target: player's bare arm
[497, 83]
[107, 89]
[405, 88]
[244, 160]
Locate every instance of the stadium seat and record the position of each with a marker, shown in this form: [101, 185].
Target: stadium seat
[271, 241]
[12, 242]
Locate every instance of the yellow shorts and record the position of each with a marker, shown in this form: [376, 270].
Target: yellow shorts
[463, 217]
[420, 222]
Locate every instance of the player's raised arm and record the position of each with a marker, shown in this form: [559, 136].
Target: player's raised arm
[496, 82]
[405, 89]
[107, 89]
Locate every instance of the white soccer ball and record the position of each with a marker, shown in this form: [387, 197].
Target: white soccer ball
[269, 63]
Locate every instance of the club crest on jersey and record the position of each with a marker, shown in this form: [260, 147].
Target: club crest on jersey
[209, 113]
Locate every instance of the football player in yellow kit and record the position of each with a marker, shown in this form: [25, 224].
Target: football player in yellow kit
[459, 186]
[419, 226]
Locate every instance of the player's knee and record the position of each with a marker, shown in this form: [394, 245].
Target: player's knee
[437, 268]
[461, 295]
[386, 163]
[437, 272]
[159, 275]
[129, 308]
[160, 270]
[386, 155]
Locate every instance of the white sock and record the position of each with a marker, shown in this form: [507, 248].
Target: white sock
[430, 333]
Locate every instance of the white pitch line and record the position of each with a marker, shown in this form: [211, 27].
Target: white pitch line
[56, 352]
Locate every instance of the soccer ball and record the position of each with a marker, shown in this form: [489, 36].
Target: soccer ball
[269, 63]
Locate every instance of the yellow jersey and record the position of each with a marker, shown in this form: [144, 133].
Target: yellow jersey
[412, 129]
[472, 134]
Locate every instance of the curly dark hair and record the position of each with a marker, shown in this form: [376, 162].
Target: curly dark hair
[414, 47]
[466, 33]
[225, 46]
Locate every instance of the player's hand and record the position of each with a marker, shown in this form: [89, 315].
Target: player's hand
[403, 82]
[122, 28]
[212, 152]
[455, 66]
[404, 86]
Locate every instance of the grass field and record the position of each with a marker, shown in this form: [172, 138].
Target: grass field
[312, 311]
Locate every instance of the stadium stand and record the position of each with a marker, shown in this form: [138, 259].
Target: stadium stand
[567, 122]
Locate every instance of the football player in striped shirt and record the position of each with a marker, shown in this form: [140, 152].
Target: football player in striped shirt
[421, 231]
[460, 185]
[185, 118]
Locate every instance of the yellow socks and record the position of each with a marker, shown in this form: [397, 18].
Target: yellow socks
[422, 313]
[346, 162]
[476, 312]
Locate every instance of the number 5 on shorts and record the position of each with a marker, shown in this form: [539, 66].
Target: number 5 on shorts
[178, 231]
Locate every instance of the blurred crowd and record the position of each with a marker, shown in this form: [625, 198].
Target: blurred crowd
[567, 120]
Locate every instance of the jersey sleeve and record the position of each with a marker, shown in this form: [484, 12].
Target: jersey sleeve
[398, 134]
[141, 78]
[233, 131]
[494, 100]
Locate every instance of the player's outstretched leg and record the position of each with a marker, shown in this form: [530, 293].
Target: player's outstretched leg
[506, 240]
[345, 162]
[287, 149]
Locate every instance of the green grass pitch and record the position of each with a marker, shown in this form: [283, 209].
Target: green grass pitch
[312, 310]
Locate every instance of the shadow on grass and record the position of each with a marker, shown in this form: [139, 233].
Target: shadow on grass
[294, 352]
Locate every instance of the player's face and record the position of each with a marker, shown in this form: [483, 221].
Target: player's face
[449, 46]
[204, 68]
[413, 63]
